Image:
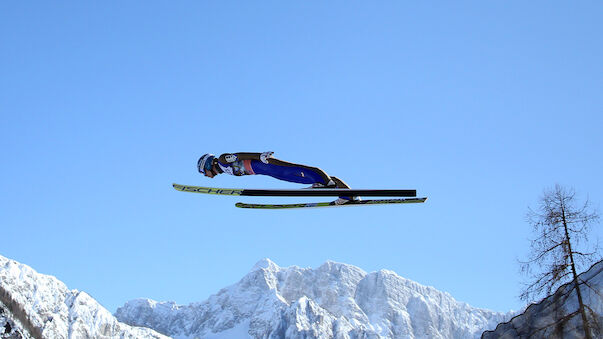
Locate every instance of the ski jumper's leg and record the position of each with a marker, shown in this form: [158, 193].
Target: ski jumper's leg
[290, 172]
[297, 173]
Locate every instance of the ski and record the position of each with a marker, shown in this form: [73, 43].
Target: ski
[208, 190]
[319, 192]
[331, 204]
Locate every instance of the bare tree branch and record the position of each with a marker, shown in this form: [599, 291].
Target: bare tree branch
[560, 247]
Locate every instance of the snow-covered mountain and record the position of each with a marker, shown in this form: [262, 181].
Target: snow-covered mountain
[37, 305]
[333, 301]
[542, 320]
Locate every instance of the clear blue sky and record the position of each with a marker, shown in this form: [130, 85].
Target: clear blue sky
[479, 106]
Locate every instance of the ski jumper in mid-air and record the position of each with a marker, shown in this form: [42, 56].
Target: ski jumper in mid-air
[244, 163]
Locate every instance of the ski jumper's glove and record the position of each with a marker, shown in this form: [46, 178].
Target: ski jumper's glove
[230, 158]
[265, 156]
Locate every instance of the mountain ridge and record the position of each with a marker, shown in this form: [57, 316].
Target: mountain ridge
[46, 308]
[335, 300]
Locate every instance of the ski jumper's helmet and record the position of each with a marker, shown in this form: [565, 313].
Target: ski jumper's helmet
[205, 163]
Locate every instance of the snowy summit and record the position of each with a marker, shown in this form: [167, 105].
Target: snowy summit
[44, 307]
[332, 301]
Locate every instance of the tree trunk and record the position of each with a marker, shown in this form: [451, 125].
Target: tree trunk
[582, 309]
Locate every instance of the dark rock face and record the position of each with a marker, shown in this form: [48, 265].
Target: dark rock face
[557, 316]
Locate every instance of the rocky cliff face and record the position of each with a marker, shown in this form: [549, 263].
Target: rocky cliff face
[332, 301]
[556, 316]
[10, 328]
[37, 305]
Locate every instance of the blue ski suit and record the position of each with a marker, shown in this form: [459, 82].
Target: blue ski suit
[250, 164]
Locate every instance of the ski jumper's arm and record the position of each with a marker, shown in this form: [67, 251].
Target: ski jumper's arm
[232, 157]
[277, 168]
